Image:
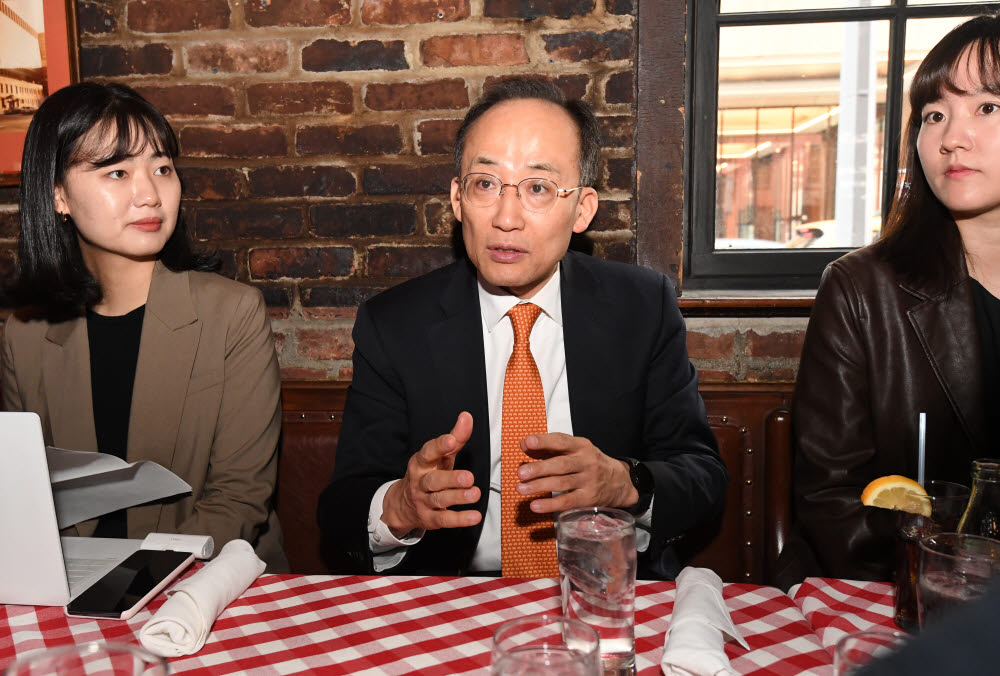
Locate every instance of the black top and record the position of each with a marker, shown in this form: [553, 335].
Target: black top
[114, 351]
[988, 317]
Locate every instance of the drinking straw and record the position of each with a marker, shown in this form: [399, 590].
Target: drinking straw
[921, 441]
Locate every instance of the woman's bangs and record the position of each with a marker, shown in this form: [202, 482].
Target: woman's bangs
[122, 135]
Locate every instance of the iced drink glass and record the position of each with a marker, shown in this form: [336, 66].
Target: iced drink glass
[545, 644]
[947, 502]
[597, 575]
[954, 568]
[96, 658]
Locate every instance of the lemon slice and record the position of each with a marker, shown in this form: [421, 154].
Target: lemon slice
[897, 492]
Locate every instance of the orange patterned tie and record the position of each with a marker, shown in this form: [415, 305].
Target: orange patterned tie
[528, 544]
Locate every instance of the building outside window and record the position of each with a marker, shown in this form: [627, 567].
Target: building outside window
[796, 110]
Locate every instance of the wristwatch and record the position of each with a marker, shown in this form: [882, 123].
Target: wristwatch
[642, 480]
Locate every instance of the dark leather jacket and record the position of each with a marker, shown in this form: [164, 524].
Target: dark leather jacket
[877, 352]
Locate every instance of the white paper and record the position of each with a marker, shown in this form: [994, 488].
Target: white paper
[201, 546]
[86, 485]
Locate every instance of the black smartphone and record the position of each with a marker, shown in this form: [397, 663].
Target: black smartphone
[130, 585]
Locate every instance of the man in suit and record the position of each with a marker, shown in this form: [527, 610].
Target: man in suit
[416, 488]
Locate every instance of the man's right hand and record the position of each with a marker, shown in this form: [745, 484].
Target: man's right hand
[420, 500]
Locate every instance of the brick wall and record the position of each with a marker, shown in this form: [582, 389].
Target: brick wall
[316, 135]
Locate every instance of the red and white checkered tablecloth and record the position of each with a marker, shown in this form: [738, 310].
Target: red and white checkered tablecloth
[396, 625]
[837, 607]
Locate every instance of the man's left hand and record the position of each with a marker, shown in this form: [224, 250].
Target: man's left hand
[577, 470]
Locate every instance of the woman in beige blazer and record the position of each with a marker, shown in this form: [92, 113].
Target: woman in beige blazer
[122, 336]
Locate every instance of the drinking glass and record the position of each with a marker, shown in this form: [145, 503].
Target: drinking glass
[96, 658]
[545, 644]
[854, 651]
[947, 501]
[596, 549]
[954, 568]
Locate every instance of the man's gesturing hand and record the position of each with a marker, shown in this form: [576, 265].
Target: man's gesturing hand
[578, 470]
[420, 500]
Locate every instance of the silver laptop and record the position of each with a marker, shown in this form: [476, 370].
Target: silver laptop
[37, 567]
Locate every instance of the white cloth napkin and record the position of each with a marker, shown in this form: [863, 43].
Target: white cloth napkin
[182, 624]
[698, 627]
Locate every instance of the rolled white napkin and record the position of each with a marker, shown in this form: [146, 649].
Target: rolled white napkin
[182, 624]
[201, 546]
[699, 626]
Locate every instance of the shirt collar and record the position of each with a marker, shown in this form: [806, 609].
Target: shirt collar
[495, 302]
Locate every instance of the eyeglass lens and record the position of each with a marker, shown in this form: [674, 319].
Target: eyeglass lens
[536, 194]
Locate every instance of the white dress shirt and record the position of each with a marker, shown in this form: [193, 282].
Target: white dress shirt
[547, 347]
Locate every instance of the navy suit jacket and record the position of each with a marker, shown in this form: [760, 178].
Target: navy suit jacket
[419, 362]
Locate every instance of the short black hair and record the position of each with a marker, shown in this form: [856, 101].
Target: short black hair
[510, 89]
[52, 277]
[920, 239]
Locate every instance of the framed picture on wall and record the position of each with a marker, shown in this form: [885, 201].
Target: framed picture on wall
[38, 55]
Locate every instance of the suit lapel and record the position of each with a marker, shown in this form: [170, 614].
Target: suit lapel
[954, 352]
[66, 377]
[589, 342]
[170, 335]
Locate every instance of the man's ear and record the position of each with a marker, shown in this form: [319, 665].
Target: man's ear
[456, 199]
[586, 207]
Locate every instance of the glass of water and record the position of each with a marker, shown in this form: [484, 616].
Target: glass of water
[545, 644]
[96, 658]
[954, 569]
[596, 549]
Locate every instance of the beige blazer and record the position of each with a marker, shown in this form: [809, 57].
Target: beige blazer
[205, 404]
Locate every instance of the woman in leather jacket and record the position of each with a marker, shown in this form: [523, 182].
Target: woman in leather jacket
[907, 325]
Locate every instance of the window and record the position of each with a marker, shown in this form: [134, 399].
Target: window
[795, 110]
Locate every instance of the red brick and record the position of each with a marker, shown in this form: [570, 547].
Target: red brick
[298, 12]
[302, 373]
[440, 218]
[613, 45]
[398, 179]
[402, 12]
[572, 86]
[301, 181]
[337, 55]
[335, 343]
[174, 16]
[620, 6]
[211, 184]
[8, 194]
[705, 346]
[619, 173]
[299, 262]
[363, 220]
[279, 342]
[335, 139]
[435, 94]
[95, 18]
[346, 374]
[505, 49]
[617, 131]
[617, 251]
[227, 260]
[393, 261]
[237, 56]
[775, 344]
[326, 301]
[619, 88]
[242, 222]
[233, 141]
[283, 98]
[437, 137]
[536, 9]
[115, 60]
[7, 264]
[612, 216]
[277, 296]
[191, 99]
[771, 375]
[715, 376]
[10, 224]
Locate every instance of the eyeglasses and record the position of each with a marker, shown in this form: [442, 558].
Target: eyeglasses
[537, 195]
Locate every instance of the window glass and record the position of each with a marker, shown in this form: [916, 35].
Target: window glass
[732, 6]
[800, 135]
